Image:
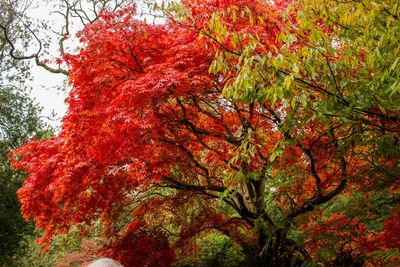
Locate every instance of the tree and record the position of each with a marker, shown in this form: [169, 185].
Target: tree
[11, 9]
[19, 120]
[239, 116]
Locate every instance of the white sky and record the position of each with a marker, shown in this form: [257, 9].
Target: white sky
[48, 96]
[44, 84]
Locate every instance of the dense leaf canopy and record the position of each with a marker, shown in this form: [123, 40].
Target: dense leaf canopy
[263, 120]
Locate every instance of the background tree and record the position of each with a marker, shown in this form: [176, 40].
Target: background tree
[10, 10]
[19, 120]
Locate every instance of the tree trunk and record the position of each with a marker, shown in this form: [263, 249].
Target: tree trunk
[280, 251]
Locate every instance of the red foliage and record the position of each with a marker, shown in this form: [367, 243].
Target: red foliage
[140, 247]
[388, 238]
[391, 230]
[345, 237]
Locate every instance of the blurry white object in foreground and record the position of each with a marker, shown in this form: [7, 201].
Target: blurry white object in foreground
[104, 262]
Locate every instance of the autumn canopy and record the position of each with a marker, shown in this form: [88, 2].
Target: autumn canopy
[275, 123]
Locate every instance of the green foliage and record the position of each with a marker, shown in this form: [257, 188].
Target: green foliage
[19, 120]
[217, 250]
[357, 63]
[371, 209]
[387, 258]
[62, 246]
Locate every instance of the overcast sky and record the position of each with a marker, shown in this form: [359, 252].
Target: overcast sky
[44, 83]
[48, 96]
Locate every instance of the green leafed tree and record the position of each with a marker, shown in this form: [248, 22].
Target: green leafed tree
[19, 121]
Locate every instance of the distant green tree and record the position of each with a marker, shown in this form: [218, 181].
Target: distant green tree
[19, 120]
[216, 249]
[219, 250]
